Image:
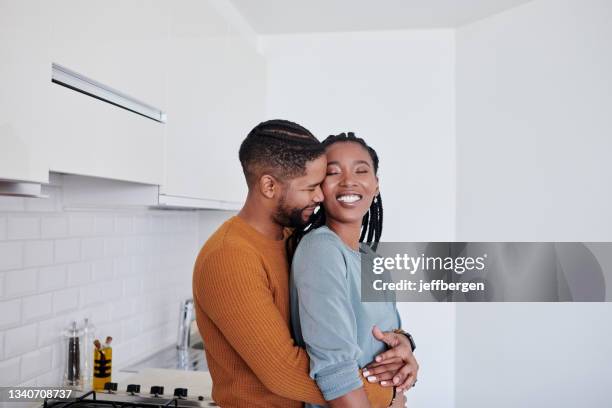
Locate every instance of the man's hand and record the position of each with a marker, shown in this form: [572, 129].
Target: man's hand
[396, 366]
[399, 401]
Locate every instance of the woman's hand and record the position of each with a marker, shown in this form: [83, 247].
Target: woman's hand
[396, 366]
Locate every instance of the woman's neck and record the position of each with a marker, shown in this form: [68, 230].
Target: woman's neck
[348, 233]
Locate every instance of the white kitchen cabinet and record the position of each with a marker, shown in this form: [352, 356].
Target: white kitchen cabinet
[120, 44]
[185, 58]
[23, 74]
[215, 91]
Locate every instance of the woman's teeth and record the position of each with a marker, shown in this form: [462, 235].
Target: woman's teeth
[351, 198]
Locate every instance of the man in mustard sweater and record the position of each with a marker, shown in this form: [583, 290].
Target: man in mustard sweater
[241, 279]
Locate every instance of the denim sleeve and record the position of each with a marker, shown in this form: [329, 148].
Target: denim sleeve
[327, 318]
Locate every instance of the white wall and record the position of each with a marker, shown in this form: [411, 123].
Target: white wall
[534, 97]
[126, 269]
[396, 90]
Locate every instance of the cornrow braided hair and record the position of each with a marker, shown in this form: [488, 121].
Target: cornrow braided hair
[279, 147]
[372, 223]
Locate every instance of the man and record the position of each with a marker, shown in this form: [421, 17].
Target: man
[241, 279]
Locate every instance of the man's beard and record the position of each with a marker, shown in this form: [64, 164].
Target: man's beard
[290, 216]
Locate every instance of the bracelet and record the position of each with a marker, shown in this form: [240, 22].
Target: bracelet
[410, 339]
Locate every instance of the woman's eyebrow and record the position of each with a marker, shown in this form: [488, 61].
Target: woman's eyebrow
[337, 163]
[362, 162]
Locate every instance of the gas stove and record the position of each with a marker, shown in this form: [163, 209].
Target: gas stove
[133, 398]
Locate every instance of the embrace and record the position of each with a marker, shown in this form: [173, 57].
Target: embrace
[277, 287]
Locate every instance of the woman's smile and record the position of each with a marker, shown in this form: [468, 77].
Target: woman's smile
[348, 199]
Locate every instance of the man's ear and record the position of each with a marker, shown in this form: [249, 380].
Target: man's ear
[268, 186]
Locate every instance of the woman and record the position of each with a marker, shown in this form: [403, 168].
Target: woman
[328, 317]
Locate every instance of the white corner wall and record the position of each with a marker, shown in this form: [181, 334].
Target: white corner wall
[396, 90]
[534, 98]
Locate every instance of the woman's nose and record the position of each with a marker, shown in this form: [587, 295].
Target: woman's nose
[347, 180]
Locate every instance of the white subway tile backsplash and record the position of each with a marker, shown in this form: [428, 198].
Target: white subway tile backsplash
[79, 274]
[131, 327]
[92, 248]
[134, 245]
[51, 278]
[113, 246]
[11, 255]
[10, 313]
[67, 250]
[104, 224]
[81, 224]
[92, 294]
[9, 372]
[65, 300]
[35, 363]
[53, 377]
[54, 227]
[141, 264]
[58, 357]
[23, 227]
[121, 309]
[38, 253]
[124, 224]
[50, 330]
[60, 265]
[102, 269]
[20, 282]
[99, 314]
[158, 223]
[29, 383]
[36, 307]
[142, 224]
[20, 340]
[132, 286]
[113, 290]
[123, 266]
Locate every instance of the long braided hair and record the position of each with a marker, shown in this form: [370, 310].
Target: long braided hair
[372, 222]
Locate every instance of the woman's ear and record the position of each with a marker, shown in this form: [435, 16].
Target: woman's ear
[268, 185]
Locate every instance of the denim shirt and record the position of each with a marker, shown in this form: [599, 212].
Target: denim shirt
[327, 315]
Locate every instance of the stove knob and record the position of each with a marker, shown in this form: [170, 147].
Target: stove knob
[110, 386]
[180, 392]
[133, 388]
[157, 390]
[200, 398]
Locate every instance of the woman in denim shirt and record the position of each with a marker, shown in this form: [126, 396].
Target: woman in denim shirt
[327, 315]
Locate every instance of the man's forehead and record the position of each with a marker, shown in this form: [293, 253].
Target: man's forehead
[314, 172]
